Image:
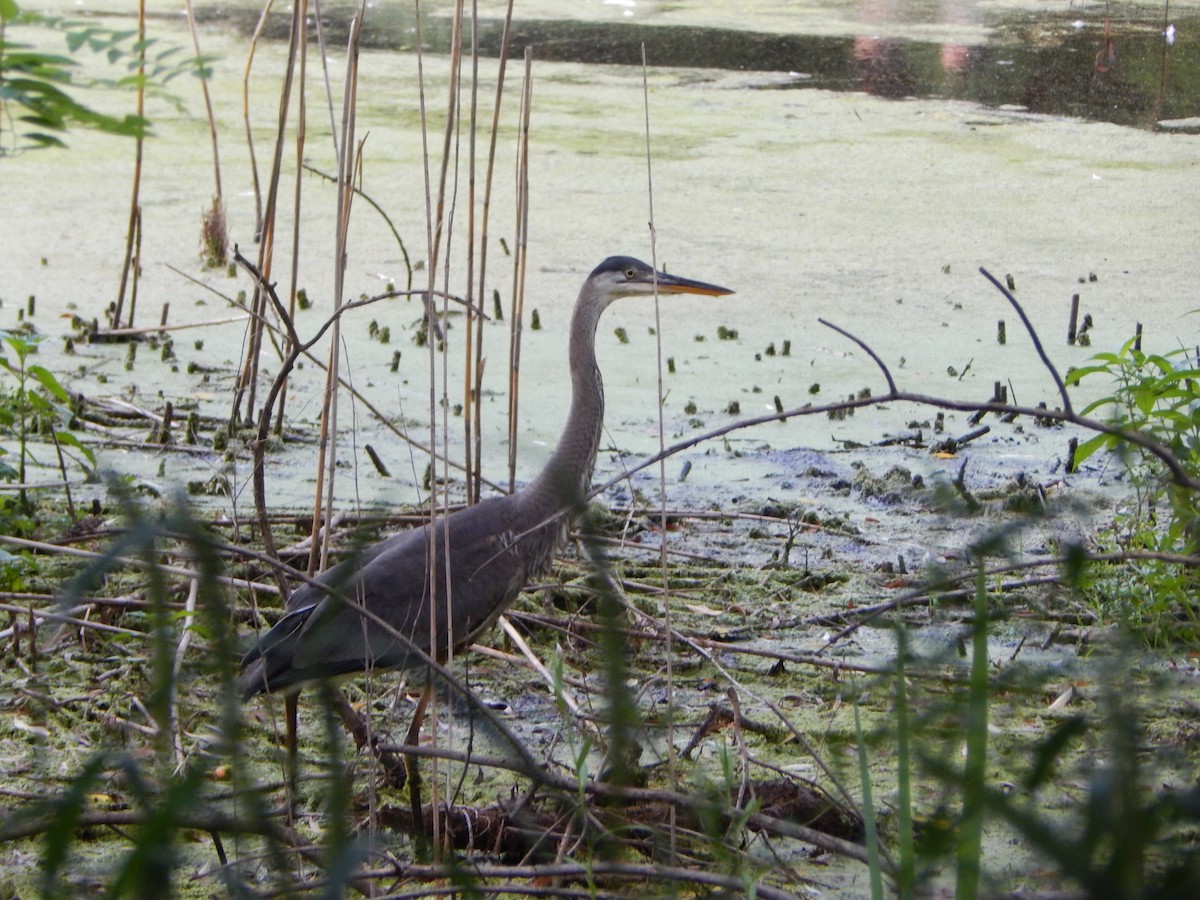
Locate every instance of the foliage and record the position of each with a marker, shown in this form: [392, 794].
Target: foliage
[43, 88]
[1127, 830]
[1130, 833]
[166, 791]
[1159, 396]
[38, 405]
[15, 569]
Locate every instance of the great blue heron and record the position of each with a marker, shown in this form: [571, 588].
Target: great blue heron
[485, 553]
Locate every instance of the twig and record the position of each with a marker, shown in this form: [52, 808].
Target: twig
[516, 323]
[248, 377]
[387, 220]
[208, 107]
[159, 329]
[887, 375]
[652, 872]
[1033, 336]
[537, 665]
[297, 188]
[475, 450]
[125, 561]
[672, 756]
[65, 618]
[185, 638]
[347, 165]
[258, 30]
[131, 261]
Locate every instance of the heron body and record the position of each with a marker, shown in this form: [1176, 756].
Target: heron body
[482, 555]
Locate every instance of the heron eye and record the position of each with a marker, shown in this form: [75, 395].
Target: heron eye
[630, 274]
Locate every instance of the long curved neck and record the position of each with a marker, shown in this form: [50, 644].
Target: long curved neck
[567, 476]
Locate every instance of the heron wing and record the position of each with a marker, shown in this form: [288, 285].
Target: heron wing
[323, 635]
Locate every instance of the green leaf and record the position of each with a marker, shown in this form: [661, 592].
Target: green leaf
[38, 404]
[76, 39]
[1074, 563]
[1077, 375]
[69, 438]
[8, 10]
[1092, 444]
[32, 60]
[47, 380]
[22, 345]
[1050, 750]
[67, 809]
[44, 140]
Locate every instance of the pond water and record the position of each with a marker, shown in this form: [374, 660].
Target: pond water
[852, 162]
[1143, 59]
[782, 167]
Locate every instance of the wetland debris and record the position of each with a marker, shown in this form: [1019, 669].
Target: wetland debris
[377, 462]
[1072, 319]
[890, 489]
[953, 445]
[914, 438]
[1046, 421]
[1072, 449]
[516, 828]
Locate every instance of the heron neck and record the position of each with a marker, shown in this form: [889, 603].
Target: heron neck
[567, 476]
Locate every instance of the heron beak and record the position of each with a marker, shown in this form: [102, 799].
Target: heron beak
[673, 284]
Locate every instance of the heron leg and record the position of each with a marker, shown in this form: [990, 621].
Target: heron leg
[420, 840]
[290, 713]
[355, 723]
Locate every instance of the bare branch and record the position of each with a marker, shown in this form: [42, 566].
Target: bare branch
[1033, 336]
[867, 349]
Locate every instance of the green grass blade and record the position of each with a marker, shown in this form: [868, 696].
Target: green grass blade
[970, 844]
[872, 836]
[907, 882]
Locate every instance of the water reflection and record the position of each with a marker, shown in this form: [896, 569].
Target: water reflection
[1125, 72]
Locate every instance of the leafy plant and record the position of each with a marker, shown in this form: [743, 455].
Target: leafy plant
[15, 569]
[38, 405]
[1131, 835]
[1158, 395]
[43, 87]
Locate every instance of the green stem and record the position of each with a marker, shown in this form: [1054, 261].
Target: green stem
[971, 836]
[907, 881]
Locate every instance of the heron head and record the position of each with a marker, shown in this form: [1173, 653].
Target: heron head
[624, 276]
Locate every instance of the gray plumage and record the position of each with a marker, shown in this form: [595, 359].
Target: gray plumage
[491, 550]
